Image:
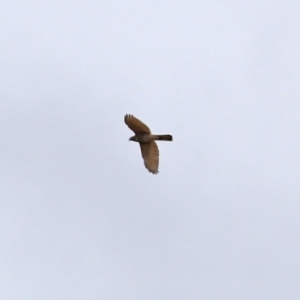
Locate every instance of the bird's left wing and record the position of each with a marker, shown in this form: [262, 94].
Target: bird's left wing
[137, 126]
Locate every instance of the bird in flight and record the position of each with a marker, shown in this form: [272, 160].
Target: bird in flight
[143, 136]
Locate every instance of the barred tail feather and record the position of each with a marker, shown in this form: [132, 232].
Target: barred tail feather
[164, 137]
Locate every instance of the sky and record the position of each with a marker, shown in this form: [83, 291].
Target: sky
[80, 216]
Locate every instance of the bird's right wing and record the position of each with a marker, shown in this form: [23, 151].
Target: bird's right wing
[150, 154]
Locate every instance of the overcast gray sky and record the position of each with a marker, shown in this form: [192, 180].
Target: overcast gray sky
[81, 218]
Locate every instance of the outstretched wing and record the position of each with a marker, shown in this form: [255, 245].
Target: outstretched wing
[150, 154]
[137, 126]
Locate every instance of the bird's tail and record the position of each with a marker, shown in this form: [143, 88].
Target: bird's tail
[163, 137]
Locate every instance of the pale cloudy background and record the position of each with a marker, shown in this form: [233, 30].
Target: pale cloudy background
[80, 216]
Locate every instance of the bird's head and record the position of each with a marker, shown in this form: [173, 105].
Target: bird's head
[134, 138]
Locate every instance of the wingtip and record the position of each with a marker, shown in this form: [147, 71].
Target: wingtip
[127, 116]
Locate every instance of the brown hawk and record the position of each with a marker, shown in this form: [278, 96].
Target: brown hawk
[147, 142]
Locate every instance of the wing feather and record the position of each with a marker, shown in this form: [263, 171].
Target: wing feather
[137, 126]
[150, 154]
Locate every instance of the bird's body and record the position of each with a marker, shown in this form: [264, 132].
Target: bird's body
[147, 142]
[147, 138]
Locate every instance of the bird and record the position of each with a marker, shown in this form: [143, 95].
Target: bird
[146, 139]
